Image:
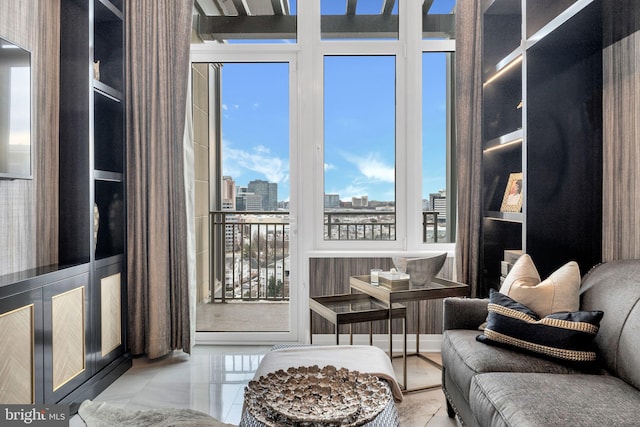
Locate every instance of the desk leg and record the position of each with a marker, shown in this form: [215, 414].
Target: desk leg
[370, 333]
[311, 327]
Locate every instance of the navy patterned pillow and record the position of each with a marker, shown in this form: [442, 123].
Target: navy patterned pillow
[567, 336]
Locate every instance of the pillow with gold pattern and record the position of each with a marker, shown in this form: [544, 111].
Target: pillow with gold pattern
[567, 336]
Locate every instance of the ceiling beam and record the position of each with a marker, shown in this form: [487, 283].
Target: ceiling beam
[387, 7]
[351, 7]
[333, 26]
[240, 8]
[280, 7]
[426, 5]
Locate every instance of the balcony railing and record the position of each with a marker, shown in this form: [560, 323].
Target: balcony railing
[364, 225]
[250, 250]
[249, 255]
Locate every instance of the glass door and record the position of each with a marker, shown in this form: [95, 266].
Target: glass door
[242, 131]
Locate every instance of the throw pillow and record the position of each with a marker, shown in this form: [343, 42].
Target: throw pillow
[559, 292]
[565, 336]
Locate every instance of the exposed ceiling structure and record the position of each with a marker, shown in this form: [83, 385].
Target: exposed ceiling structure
[222, 20]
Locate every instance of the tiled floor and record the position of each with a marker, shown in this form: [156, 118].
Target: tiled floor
[212, 380]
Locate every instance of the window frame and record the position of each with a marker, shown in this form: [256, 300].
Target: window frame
[408, 50]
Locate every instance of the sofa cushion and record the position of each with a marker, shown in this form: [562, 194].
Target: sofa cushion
[558, 292]
[523, 399]
[464, 357]
[564, 336]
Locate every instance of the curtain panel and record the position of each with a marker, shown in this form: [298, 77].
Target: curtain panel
[157, 67]
[469, 141]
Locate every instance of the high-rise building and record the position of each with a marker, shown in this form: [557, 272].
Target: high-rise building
[249, 202]
[228, 193]
[331, 201]
[268, 191]
[360, 202]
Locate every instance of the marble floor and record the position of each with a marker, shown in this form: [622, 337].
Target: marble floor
[213, 378]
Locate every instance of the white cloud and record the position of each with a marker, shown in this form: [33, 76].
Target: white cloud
[329, 166]
[351, 190]
[273, 168]
[372, 168]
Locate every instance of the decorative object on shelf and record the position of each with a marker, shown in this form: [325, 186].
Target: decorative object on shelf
[96, 225]
[512, 200]
[116, 222]
[96, 70]
[422, 270]
[313, 396]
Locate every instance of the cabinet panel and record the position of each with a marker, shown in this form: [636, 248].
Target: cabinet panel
[21, 356]
[110, 324]
[66, 321]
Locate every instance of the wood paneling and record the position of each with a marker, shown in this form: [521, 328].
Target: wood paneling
[67, 335]
[110, 313]
[330, 276]
[28, 208]
[16, 356]
[621, 129]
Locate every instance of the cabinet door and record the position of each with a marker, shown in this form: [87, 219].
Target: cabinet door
[21, 352]
[110, 321]
[66, 336]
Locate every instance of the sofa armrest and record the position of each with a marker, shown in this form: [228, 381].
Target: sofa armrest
[464, 313]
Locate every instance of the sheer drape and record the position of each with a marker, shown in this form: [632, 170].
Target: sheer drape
[157, 38]
[469, 141]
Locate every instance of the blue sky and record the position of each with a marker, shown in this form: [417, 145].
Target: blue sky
[359, 121]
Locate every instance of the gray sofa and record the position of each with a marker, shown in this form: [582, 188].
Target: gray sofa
[493, 386]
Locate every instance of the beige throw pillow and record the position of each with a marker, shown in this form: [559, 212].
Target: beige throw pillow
[558, 293]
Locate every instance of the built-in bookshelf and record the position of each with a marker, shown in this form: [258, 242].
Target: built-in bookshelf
[542, 117]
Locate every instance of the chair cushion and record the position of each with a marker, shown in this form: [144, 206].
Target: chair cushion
[524, 399]
[559, 292]
[564, 336]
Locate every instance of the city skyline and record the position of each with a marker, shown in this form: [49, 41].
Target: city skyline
[360, 139]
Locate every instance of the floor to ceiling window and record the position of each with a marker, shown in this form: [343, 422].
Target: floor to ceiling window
[359, 147]
[360, 93]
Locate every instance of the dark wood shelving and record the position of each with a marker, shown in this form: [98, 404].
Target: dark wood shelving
[542, 116]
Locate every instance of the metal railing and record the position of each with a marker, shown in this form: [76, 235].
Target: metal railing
[429, 222]
[365, 225]
[249, 255]
[250, 250]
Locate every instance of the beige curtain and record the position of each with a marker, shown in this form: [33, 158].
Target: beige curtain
[157, 38]
[469, 141]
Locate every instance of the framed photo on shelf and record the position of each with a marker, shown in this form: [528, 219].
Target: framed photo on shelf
[512, 200]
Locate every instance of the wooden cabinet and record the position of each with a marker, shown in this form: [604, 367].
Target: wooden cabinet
[92, 223]
[45, 316]
[542, 117]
